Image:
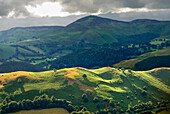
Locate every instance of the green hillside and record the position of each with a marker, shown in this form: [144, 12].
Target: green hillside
[115, 90]
[147, 61]
[6, 51]
[50, 46]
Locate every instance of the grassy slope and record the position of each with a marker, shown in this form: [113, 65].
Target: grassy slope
[104, 83]
[131, 63]
[6, 51]
[53, 41]
[90, 29]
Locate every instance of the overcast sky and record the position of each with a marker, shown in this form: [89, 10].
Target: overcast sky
[23, 13]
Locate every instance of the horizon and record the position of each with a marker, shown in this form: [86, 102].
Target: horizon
[39, 26]
[63, 12]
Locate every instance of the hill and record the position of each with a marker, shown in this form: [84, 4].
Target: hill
[117, 90]
[90, 42]
[147, 61]
[92, 29]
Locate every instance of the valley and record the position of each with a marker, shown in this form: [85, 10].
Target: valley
[59, 47]
[94, 65]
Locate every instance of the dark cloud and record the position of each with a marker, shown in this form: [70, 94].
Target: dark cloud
[92, 6]
[89, 6]
[7, 6]
[159, 9]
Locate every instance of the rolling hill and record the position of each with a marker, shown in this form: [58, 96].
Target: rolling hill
[115, 90]
[93, 29]
[90, 31]
[147, 61]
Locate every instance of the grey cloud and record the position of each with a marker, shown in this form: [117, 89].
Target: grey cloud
[7, 6]
[18, 6]
[156, 4]
[89, 6]
[7, 23]
[92, 6]
[129, 16]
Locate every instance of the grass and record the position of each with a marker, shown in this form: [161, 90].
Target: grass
[6, 51]
[152, 81]
[24, 51]
[70, 84]
[131, 63]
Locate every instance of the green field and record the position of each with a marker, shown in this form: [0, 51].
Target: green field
[119, 86]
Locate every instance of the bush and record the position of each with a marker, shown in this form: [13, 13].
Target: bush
[95, 100]
[84, 75]
[112, 104]
[19, 81]
[84, 97]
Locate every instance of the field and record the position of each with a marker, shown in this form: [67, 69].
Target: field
[122, 87]
[44, 111]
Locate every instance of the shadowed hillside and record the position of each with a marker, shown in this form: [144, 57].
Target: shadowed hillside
[147, 61]
[19, 66]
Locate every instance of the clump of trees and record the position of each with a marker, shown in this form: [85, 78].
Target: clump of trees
[85, 98]
[19, 66]
[146, 106]
[39, 102]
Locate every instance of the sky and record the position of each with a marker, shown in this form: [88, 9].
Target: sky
[23, 13]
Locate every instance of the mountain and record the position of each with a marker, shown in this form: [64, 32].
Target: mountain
[100, 28]
[147, 61]
[112, 89]
[38, 45]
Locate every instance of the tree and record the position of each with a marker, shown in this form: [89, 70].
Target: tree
[84, 75]
[112, 104]
[26, 104]
[19, 81]
[84, 97]
[95, 100]
[54, 70]
[13, 106]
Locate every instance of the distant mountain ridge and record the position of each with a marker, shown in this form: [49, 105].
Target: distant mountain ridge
[92, 22]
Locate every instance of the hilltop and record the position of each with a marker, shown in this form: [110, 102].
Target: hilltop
[104, 88]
